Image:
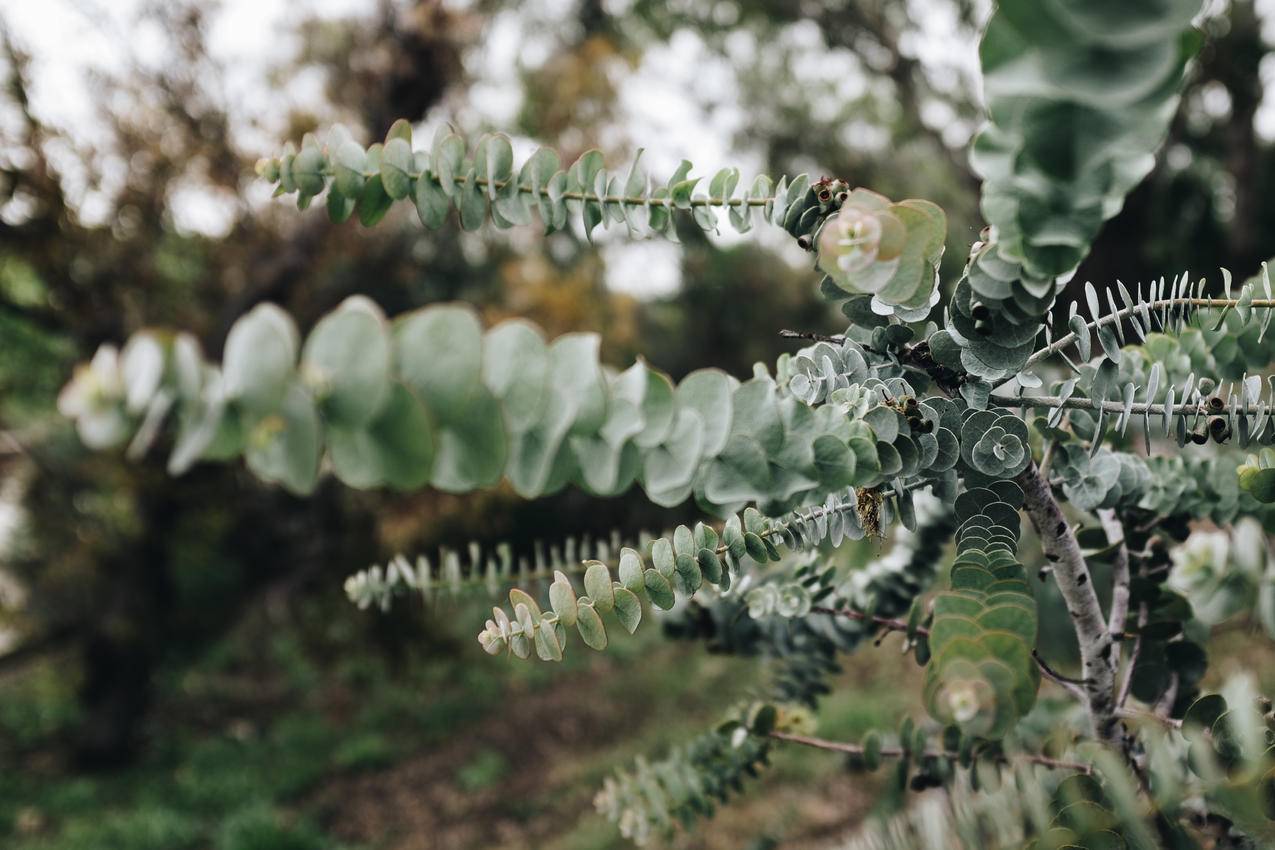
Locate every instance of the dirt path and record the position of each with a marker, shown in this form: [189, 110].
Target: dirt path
[555, 744]
[421, 803]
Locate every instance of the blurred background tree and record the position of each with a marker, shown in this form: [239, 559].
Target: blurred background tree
[177, 666]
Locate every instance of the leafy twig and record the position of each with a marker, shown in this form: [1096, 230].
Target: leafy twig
[1073, 686]
[899, 752]
[835, 339]
[883, 622]
[1120, 315]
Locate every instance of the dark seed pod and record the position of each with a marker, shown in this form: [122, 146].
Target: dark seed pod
[911, 405]
[1219, 429]
[841, 197]
[1199, 438]
[803, 242]
[981, 312]
[1216, 404]
[923, 781]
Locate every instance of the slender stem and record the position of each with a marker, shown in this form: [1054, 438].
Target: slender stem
[1074, 403]
[1097, 647]
[626, 200]
[1163, 303]
[1119, 570]
[1127, 686]
[898, 752]
[11, 444]
[478, 577]
[1046, 458]
[1165, 704]
[1134, 714]
[1074, 686]
[883, 622]
[835, 339]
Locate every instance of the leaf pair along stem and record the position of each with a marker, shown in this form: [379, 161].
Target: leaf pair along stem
[1159, 305]
[899, 752]
[667, 202]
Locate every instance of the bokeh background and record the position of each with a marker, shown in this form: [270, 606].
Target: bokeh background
[178, 665]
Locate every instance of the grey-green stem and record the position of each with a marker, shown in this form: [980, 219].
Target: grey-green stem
[625, 200]
[1097, 647]
[1122, 314]
[1074, 403]
[899, 752]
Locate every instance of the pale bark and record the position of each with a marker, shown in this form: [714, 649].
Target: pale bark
[1119, 571]
[1097, 648]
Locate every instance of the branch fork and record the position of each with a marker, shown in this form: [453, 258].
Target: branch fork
[1098, 651]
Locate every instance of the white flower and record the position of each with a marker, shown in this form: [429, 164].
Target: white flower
[141, 370]
[852, 239]
[94, 385]
[94, 398]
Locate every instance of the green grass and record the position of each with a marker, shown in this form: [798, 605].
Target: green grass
[241, 784]
[485, 769]
[262, 744]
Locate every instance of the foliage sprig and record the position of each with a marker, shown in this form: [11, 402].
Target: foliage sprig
[836, 442]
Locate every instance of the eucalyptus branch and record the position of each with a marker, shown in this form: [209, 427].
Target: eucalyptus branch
[379, 584]
[1165, 704]
[1145, 308]
[1074, 686]
[1097, 647]
[834, 339]
[1134, 714]
[625, 200]
[883, 622]
[1047, 457]
[667, 202]
[1054, 402]
[433, 398]
[899, 752]
[1119, 570]
[1127, 685]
